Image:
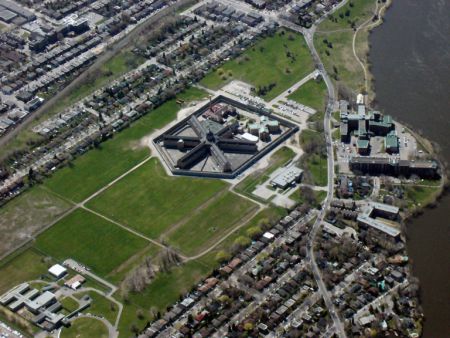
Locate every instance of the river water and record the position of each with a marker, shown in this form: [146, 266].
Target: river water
[410, 56]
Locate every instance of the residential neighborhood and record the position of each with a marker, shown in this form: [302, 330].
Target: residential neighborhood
[205, 168]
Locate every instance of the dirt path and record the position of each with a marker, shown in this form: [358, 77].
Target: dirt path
[366, 25]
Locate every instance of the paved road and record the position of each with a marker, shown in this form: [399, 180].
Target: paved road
[309, 37]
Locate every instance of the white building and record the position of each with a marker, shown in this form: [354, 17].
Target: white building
[57, 271]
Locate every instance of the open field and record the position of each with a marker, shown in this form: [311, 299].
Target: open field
[312, 94]
[212, 222]
[282, 59]
[90, 240]
[333, 41]
[26, 214]
[85, 327]
[149, 201]
[98, 167]
[277, 159]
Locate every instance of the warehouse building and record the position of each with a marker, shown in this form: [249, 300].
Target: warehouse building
[286, 177]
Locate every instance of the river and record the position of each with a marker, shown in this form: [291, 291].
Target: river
[410, 56]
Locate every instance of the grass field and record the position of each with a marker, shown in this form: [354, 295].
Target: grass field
[267, 62]
[317, 166]
[269, 215]
[91, 240]
[278, 159]
[20, 267]
[69, 304]
[355, 11]
[312, 94]
[26, 214]
[333, 41]
[85, 328]
[100, 306]
[149, 201]
[99, 166]
[314, 160]
[299, 198]
[212, 222]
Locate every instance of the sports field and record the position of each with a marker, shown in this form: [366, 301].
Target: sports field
[282, 60]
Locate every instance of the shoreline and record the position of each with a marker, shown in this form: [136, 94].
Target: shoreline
[414, 212]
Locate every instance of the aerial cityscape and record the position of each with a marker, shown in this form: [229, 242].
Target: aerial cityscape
[232, 168]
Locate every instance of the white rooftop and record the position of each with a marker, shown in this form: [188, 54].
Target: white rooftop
[57, 270]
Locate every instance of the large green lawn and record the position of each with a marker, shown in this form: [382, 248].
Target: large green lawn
[267, 62]
[149, 201]
[85, 328]
[91, 240]
[98, 167]
[312, 94]
[212, 222]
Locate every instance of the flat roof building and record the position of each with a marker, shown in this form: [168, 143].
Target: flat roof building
[57, 270]
[373, 223]
[286, 177]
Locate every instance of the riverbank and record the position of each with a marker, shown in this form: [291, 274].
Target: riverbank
[409, 62]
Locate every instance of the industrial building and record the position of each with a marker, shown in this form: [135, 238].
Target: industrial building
[286, 177]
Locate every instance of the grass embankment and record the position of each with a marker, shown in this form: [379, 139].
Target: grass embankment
[96, 168]
[314, 161]
[85, 327]
[334, 39]
[278, 159]
[312, 94]
[282, 60]
[112, 69]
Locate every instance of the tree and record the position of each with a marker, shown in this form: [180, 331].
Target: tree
[254, 232]
[222, 256]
